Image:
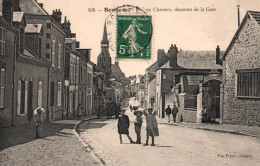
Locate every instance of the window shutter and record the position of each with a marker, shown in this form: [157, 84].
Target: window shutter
[2, 88]
[59, 56]
[59, 94]
[26, 97]
[40, 94]
[18, 97]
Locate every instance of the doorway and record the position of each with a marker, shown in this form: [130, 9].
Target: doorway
[211, 101]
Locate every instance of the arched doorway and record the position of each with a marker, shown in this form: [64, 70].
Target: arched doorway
[211, 101]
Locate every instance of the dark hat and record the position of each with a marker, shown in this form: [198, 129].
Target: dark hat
[135, 113]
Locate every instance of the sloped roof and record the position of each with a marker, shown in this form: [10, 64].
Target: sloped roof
[116, 70]
[17, 16]
[255, 15]
[153, 66]
[249, 14]
[29, 7]
[198, 59]
[33, 28]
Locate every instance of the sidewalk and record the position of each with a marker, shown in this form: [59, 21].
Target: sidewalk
[253, 131]
[58, 145]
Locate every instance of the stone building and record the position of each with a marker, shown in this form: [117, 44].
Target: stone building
[177, 76]
[242, 74]
[7, 61]
[28, 87]
[53, 47]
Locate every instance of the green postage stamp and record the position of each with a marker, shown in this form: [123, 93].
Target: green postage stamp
[134, 34]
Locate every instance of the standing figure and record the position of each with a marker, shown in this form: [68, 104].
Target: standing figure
[151, 126]
[168, 112]
[123, 126]
[138, 125]
[108, 109]
[38, 113]
[174, 112]
[117, 110]
[131, 108]
[79, 111]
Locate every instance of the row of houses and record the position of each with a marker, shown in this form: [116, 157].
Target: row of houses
[210, 86]
[42, 65]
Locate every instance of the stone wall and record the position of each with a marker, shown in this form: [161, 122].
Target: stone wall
[185, 115]
[244, 54]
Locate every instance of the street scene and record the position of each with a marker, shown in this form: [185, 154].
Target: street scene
[130, 83]
[178, 145]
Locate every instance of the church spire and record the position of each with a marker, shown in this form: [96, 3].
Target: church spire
[105, 40]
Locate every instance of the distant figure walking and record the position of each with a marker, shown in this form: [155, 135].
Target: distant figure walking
[151, 126]
[138, 125]
[79, 111]
[131, 108]
[175, 110]
[123, 126]
[168, 112]
[38, 113]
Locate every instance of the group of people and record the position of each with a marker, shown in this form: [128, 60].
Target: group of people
[151, 125]
[113, 109]
[172, 111]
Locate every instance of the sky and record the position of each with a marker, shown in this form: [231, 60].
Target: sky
[195, 30]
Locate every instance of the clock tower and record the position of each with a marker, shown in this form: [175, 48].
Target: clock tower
[104, 59]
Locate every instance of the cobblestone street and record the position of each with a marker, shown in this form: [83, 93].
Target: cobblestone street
[175, 146]
[59, 146]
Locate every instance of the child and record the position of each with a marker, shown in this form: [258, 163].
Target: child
[123, 126]
[38, 121]
[138, 125]
[151, 126]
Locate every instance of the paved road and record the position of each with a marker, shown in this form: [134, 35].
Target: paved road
[175, 146]
[59, 146]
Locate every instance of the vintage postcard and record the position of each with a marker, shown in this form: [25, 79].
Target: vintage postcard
[130, 82]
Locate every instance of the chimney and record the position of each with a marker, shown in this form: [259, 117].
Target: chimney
[41, 5]
[56, 15]
[77, 44]
[238, 14]
[116, 62]
[160, 54]
[8, 9]
[173, 56]
[218, 60]
[17, 6]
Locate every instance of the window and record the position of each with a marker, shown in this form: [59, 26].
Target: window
[21, 42]
[22, 97]
[2, 88]
[48, 35]
[71, 73]
[59, 94]
[40, 94]
[48, 25]
[53, 53]
[52, 93]
[80, 74]
[59, 56]
[48, 45]
[48, 55]
[76, 74]
[40, 47]
[2, 42]
[248, 84]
